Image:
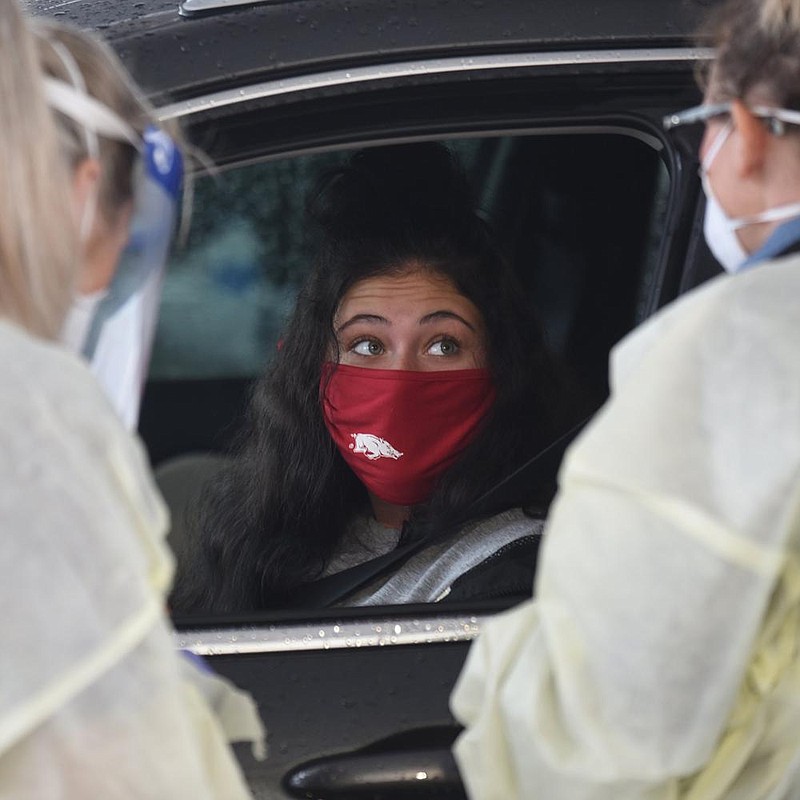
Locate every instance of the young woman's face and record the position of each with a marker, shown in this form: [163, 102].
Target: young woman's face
[415, 321]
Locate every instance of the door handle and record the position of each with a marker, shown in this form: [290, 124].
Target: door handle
[411, 766]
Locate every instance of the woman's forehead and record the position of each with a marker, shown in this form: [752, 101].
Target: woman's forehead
[409, 290]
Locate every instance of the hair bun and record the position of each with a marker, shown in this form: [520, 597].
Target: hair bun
[385, 188]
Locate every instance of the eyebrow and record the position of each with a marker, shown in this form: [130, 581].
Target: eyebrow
[437, 315]
[362, 318]
[434, 316]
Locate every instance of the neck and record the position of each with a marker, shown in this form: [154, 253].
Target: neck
[389, 515]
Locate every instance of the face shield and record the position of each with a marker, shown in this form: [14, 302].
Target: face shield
[114, 329]
[120, 333]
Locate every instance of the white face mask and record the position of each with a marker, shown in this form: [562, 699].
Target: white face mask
[718, 228]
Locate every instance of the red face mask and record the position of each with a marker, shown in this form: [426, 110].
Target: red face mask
[399, 430]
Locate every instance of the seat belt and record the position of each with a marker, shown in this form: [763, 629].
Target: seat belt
[332, 589]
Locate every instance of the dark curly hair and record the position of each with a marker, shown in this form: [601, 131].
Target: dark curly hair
[273, 519]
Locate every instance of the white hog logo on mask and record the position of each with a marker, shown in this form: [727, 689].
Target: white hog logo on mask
[373, 446]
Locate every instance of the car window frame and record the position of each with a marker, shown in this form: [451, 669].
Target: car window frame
[381, 626]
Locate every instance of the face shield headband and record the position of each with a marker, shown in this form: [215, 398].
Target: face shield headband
[114, 331]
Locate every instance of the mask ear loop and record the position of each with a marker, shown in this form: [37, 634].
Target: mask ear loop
[89, 136]
[716, 146]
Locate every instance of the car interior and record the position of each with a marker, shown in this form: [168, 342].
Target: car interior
[579, 214]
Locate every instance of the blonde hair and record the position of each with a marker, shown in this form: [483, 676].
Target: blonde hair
[38, 243]
[39, 250]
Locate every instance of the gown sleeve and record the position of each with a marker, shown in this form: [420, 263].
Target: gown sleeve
[675, 512]
[94, 700]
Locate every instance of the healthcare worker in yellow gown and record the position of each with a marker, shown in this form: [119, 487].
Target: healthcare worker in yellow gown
[660, 657]
[94, 700]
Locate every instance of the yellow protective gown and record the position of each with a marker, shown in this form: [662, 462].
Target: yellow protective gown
[94, 700]
[659, 659]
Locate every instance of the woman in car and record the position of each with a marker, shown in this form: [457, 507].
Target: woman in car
[411, 379]
[661, 658]
[94, 701]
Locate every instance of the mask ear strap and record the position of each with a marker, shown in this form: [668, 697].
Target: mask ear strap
[716, 145]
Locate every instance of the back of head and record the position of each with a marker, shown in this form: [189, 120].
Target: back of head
[38, 248]
[39, 251]
[757, 45]
[80, 59]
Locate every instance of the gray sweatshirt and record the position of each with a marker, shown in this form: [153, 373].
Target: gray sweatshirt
[427, 576]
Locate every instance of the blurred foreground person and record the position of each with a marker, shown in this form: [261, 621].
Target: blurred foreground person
[660, 658]
[94, 701]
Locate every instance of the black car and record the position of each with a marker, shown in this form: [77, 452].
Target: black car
[555, 108]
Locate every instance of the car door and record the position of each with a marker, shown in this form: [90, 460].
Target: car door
[356, 699]
[563, 144]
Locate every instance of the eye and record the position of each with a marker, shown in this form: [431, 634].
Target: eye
[444, 347]
[367, 347]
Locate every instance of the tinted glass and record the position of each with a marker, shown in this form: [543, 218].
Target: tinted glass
[580, 216]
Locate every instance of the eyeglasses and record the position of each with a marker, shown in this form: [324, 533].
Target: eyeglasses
[777, 118]
[681, 123]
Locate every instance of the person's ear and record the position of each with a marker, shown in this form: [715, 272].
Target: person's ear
[103, 249]
[753, 140]
[85, 186]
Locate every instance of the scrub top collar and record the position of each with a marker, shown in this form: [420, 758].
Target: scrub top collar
[784, 239]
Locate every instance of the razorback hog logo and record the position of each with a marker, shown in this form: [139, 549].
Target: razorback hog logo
[373, 446]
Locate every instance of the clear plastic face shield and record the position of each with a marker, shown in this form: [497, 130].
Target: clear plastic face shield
[120, 334]
[113, 329]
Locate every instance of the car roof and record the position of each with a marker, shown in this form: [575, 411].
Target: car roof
[176, 56]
